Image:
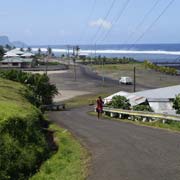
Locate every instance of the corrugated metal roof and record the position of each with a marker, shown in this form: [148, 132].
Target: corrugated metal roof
[162, 93]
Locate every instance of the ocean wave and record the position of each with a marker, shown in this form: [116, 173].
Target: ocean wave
[154, 52]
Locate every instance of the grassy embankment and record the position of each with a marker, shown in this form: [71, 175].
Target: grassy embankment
[68, 163]
[23, 143]
[143, 75]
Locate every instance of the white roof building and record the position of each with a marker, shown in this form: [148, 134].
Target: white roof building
[160, 100]
[18, 53]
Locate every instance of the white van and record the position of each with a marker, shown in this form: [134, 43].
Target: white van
[126, 80]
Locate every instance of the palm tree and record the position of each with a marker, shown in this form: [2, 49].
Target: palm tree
[77, 48]
[49, 51]
[39, 51]
[29, 49]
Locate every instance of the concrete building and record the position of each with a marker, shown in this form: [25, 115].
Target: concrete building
[17, 59]
[16, 62]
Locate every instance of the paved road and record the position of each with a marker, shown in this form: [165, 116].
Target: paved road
[124, 151]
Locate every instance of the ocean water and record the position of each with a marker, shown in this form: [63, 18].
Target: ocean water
[152, 52]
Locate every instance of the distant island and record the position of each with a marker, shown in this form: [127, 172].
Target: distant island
[4, 40]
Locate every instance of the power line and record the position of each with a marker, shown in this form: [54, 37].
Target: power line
[117, 19]
[154, 22]
[84, 31]
[105, 17]
[143, 20]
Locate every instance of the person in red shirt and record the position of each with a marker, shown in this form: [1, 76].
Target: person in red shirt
[99, 106]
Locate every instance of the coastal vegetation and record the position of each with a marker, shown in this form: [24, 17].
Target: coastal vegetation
[23, 144]
[39, 89]
[163, 69]
[106, 60]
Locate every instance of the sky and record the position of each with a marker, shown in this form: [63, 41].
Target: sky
[56, 22]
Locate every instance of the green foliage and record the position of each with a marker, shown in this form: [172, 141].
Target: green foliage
[21, 49]
[49, 51]
[42, 91]
[107, 60]
[23, 144]
[163, 69]
[142, 107]
[68, 163]
[120, 102]
[29, 49]
[176, 104]
[8, 47]
[1, 52]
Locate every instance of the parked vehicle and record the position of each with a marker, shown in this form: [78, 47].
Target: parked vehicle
[126, 80]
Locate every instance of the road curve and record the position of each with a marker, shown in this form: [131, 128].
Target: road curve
[123, 151]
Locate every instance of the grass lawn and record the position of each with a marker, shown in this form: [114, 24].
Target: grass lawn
[143, 75]
[68, 163]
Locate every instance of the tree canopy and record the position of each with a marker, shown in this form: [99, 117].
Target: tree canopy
[120, 102]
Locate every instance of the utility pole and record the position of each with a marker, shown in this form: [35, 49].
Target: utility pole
[134, 79]
[103, 71]
[95, 50]
[74, 60]
[68, 54]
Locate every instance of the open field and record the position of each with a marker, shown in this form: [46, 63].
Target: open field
[143, 75]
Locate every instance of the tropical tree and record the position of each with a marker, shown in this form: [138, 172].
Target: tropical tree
[77, 48]
[29, 49]
[39, 51]
[8, 47]
[49, 51]
[176, 104]
[42, 90]
[21, 49]
[120, 102]
[2, 52]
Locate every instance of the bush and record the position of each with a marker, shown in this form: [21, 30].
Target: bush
[23, 144]
[43, 91]
[142, 107]
[163, 69]
[120, 102]
[176, 104]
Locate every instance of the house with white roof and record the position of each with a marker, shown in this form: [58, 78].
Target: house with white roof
[16, 62]
[17, 59]
[160, 100]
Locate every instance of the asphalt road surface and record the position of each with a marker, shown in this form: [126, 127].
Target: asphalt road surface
[120, 151]
[123, 151]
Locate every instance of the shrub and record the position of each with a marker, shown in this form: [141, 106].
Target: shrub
[176, 104]
[142, 107]
[120, 102]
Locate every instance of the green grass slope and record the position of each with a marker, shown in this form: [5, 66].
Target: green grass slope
[23, 144]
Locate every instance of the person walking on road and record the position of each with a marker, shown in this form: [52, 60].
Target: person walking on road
[99, 106]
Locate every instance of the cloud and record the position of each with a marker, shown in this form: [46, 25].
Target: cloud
[101, 23]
